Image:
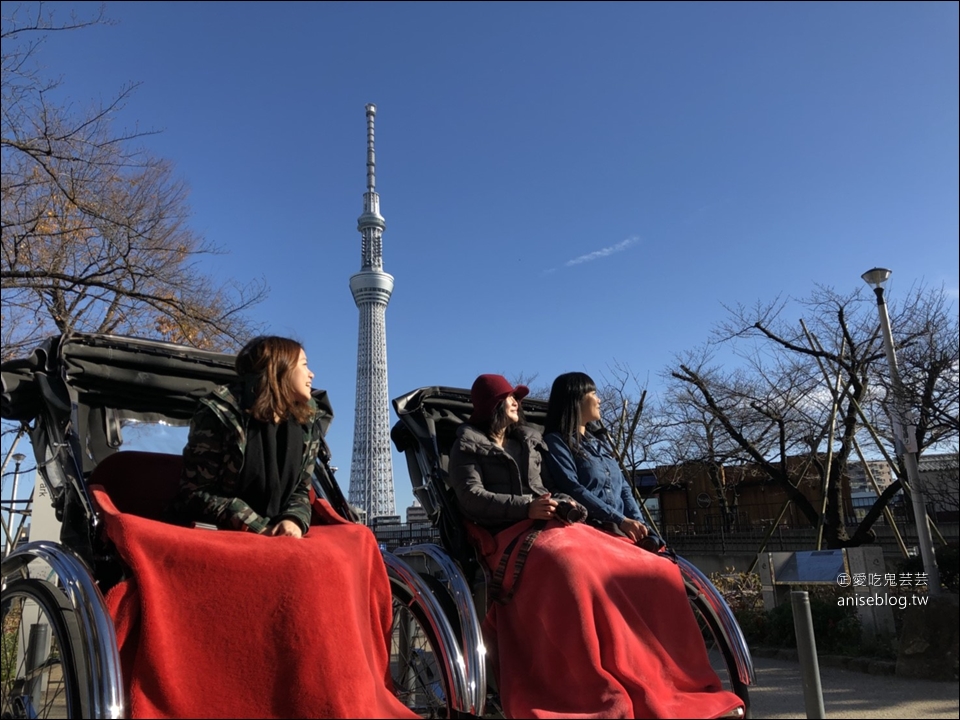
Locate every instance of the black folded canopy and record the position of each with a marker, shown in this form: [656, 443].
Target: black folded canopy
[139, 379]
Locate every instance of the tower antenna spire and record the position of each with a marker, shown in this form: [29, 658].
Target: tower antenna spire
[371, 153]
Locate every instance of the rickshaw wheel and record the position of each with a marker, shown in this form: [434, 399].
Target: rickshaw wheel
[718, 651]
[420, 680]
[40, 677]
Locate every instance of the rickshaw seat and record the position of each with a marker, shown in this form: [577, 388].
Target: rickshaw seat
[140, 483]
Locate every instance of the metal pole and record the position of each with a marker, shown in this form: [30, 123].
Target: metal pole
[825, 485]
[807, 654]
[24, 514]
[905, 484]
[38, 648]
[906, 446]
[815, 345]
[12, 450]
[17, 459]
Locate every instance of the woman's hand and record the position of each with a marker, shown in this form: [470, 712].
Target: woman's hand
[542, 508]
[285, 528]
[633, 529]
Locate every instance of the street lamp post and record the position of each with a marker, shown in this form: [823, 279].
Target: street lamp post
[18, 458]
[904, 433]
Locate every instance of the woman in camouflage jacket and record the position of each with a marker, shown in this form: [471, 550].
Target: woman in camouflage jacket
[252, 446]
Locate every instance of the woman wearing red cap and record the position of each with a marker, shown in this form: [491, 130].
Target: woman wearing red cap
[582, 623]
[496, 460]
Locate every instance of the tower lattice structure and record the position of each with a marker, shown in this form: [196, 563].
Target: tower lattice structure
[371, 471]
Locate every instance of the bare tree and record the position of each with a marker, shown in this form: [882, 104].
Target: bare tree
[623, 405]
[538, 391]
[807, 390]
[693, 435]
[95, 235]
[737, 419]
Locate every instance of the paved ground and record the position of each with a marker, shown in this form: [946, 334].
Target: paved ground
[849, 694]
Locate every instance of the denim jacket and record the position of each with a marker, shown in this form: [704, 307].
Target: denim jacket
[594, 480]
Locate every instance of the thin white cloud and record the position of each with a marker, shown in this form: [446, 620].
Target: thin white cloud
[602, 253]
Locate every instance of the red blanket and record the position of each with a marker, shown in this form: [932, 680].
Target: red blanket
[597, 628]
[231, 624]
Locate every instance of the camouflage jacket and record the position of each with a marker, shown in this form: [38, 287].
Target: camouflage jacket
[213, 458]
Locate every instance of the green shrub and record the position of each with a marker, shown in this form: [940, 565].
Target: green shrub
[948, 563]
[741, 590]
[836, 629]
[743, 594]
[753, 623]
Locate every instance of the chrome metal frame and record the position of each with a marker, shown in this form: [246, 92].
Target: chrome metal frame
[104, 691]
[442, 567]
[728, 623]
[399, 572]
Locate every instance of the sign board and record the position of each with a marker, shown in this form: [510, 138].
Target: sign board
[812, 566]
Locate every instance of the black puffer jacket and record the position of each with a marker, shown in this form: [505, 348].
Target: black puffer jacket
[492, 490]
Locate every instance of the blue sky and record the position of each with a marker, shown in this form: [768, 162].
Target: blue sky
[565, 185]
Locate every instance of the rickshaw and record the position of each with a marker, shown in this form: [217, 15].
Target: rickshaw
[425, 432]
[104, 409]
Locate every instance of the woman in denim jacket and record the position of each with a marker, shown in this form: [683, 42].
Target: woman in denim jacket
[580, 466]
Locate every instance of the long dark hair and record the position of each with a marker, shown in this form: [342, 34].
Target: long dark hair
[563, 408]
[266, 362]
[499, 422]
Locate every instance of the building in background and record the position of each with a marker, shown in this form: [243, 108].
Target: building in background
[857, 474]
[863, 496]
[391, 533]
[698, 498]
[416, 515]
[940, 476]
[371, 470]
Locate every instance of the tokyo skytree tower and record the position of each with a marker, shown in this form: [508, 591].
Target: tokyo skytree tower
[371, 472]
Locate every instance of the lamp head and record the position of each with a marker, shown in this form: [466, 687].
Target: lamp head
[876, 277]
[19, 458]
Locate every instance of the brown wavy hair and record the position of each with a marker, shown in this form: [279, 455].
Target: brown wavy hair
[267, 362]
